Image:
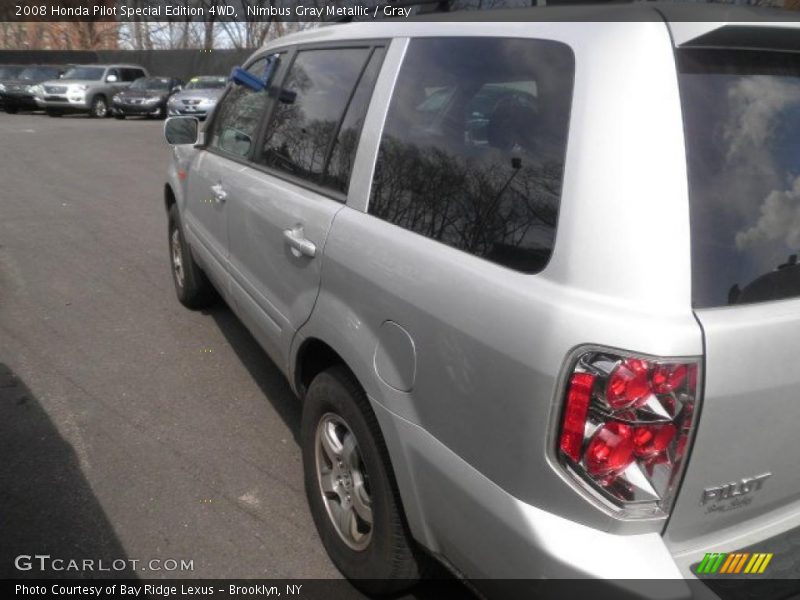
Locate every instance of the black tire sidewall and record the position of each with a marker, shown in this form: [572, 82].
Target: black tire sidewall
[330, 393]
[184, 292]
[197, 291]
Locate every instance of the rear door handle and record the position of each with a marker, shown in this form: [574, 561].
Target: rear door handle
[299, 244]
[220, 195]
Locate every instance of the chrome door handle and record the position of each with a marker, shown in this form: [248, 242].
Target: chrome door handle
[299, 244]
[220, 195]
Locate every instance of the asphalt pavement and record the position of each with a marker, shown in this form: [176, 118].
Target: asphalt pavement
[130, 427]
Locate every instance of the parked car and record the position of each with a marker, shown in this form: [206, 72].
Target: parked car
[534, 350]
[147, 97]
[20, 93]
[8, 73]
[88, 89]
[199, 96]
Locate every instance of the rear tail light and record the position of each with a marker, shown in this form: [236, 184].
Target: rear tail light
[625, 427]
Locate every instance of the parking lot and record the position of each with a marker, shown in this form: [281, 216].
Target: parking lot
[130, 427]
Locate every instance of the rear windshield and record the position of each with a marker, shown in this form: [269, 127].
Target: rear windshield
[87, 73]
[742, 121]
[206, 83]
[39, 73]
[151, 83]
[9, 72]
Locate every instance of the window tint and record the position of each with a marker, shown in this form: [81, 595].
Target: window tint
[10, 72]
[742, 122]
[311, 105]
[207, 83]
[88, 73]
[237, 117]
[343, 153]
[39, 73]
[473, 148]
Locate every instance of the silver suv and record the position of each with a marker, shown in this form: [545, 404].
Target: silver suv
[536, 284]
[88, 89]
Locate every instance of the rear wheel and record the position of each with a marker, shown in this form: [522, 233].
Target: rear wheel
[54, 113]
[12, 110]
[192, 287]
[350, 487]
[119, 115]
[99, 108]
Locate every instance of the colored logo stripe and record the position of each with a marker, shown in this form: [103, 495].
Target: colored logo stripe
[734, 562]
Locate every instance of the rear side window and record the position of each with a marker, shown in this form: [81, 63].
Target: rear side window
[474, 145]
[302, 131]
[132, 74]
[343, 152]
[742, 122]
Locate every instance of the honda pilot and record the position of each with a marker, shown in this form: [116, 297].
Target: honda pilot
[536, 284]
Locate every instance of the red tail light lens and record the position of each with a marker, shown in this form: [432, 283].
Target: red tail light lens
[651, 440]
[625, 426]
[629, 384]
[667, 378]
[610, 450]
[578, 397]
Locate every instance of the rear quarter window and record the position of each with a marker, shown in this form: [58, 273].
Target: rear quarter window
[742, 123]
[473, 149]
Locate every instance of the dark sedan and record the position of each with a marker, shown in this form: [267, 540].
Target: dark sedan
[145, 97]
[8, 73]
[20, 92]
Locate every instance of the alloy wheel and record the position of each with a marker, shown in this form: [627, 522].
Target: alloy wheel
[177, 257]
[343, 481]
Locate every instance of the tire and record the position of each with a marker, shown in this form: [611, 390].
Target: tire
[12, 110]
[54, 113]
[119, 116]
[192, 287]
[384, 560]
[99, 108]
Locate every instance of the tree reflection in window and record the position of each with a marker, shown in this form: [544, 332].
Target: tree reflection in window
[474, 145]
[239, 114]
[301, 137]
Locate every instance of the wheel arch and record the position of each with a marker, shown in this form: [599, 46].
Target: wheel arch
[313, 356]
[169, 197]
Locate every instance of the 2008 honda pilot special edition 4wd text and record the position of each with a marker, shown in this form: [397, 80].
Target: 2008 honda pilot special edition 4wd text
[536, 284]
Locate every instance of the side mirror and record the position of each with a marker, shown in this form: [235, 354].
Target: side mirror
[181, 131]
[112, 79]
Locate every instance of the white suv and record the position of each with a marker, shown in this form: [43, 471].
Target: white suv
[88, 89]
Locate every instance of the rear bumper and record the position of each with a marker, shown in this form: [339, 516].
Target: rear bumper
[776, 533]
[497, 541]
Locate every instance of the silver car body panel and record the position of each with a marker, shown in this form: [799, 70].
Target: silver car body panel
[467, 396]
